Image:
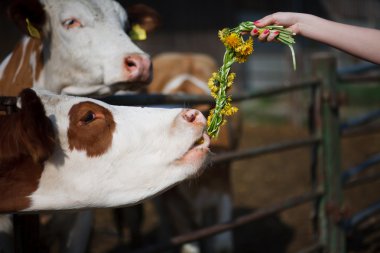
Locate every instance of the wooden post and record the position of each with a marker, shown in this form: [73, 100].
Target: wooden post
[332, 236]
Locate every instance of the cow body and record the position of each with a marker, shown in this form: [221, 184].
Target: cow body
[83, 49]
[103, 155]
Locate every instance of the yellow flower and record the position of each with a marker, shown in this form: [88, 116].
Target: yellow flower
[230, 79]
[209, 118]
[233, 40]
[246, 48]
[228, 109]
[222, 34]
[241, 58]
[213, 85]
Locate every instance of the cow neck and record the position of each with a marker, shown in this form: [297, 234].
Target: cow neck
[19, 178]
[22, 68]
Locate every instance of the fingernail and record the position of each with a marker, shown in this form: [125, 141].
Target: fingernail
[276, 32]
[256, 22]
[266, 31]
[255, 30]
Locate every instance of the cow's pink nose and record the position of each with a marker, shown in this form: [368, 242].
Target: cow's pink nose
[193, 116]
[138, 68]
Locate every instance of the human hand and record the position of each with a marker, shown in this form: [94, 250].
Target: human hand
[288, 20]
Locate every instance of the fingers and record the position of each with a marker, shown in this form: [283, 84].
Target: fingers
[265, 35]
[272, 35]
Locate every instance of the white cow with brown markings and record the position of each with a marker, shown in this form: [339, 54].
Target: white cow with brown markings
[85, 153]
[76, 47]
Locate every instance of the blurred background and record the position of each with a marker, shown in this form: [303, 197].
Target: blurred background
[192, 26]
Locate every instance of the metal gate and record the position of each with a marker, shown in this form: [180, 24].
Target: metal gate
[326, 91]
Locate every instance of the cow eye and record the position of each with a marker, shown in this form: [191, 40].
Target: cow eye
[71, 23]
[89, 117]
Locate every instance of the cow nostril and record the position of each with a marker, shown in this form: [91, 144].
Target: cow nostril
[190, 115]
[136, 68]
[130, 63]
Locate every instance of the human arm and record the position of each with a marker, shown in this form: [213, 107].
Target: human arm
[358, 41]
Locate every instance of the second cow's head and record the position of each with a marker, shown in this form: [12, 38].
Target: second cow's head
[85, 44]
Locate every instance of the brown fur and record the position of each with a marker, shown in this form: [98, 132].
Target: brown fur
[95, 136]
[143, 15]
[18, 74]
[27, 140]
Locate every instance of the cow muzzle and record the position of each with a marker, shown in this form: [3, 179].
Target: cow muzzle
[138, 68]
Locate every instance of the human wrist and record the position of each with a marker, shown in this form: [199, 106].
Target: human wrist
[304, 21]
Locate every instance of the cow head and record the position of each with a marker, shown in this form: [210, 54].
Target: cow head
[105, 155]
[85, 47]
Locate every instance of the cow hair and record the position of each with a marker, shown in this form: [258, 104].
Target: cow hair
[145, 16]
[27, 132]
[20, 10]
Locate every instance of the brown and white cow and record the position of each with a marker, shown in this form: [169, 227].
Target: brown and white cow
[84, 153]
[82, 47]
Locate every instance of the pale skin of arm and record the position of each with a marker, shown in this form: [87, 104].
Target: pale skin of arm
[358, 41]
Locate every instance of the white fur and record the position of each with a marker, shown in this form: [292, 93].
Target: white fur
[141, 162]
[24, 44]
[178, 81]
[91, 55]
[4, 63]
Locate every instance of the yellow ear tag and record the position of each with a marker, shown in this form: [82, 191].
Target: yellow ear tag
[137, 33]
[33, 32]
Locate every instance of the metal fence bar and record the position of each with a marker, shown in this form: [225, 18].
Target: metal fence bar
[363, 130]
[277, 147]
[212, 230]
[353, 171]
[372, 177]
[331, 234]
[346, 80]
[361, 120]
[313, 116]
[188, 100]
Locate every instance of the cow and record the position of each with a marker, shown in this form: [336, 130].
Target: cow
[76, 47]
[79, 47]
[60, 152]
[208, 199]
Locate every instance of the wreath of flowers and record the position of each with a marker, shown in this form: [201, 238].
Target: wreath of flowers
[238, 50]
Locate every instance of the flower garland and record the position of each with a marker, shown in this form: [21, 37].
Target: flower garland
[237, 50]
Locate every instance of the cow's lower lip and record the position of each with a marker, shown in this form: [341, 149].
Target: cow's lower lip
[201, 143]
[201, 146]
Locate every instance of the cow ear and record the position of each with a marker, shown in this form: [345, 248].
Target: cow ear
[28, 15]
[144, 16]
[27, 132]
[38, 131]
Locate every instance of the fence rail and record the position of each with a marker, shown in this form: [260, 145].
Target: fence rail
[324, 105]
[190, 100]
[244, 219]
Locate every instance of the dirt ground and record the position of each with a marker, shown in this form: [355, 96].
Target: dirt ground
[262, 181]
